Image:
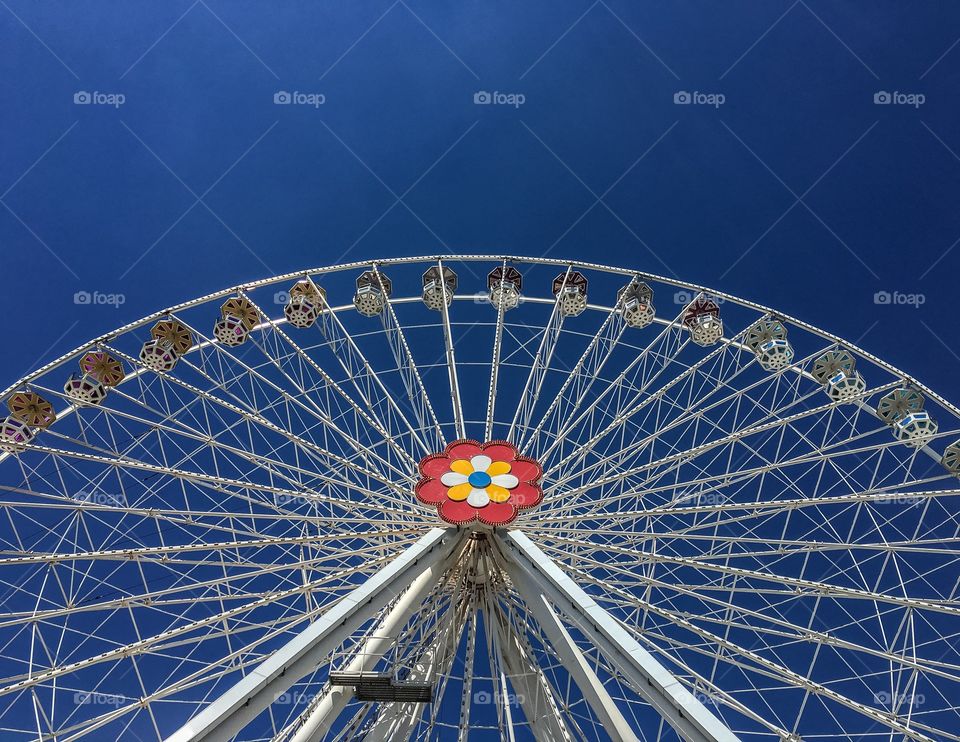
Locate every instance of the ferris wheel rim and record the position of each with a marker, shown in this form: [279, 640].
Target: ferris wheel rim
[551, 535]
[476, 258]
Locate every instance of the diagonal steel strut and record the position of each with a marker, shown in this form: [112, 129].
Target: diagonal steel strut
[226, 716]
[527, 678]
[539, 577]
[322, 716]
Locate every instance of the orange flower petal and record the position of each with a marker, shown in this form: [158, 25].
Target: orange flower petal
[498, 493]
[498, 467]
[460, 491]
[461, 466]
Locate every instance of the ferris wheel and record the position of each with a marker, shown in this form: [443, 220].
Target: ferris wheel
[477, 497]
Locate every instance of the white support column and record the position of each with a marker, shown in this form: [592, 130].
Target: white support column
[396, 722]
[325, 713]
[532, 688]
[539, 577]
[573, 659]
[467, 694]
[226, 716]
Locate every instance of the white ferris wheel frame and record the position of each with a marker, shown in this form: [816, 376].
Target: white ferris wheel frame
[411, 576]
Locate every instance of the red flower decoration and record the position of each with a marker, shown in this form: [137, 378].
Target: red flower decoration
[471, 481]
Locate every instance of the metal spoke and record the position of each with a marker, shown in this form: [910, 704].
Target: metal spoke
[495, 360]
[533, 386]
[722, 543]
[458, 421]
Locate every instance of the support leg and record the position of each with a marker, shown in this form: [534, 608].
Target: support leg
[396, 722]
[325, 713]
[226, 716]
[539, 577]
[574, 662]
[531, 686]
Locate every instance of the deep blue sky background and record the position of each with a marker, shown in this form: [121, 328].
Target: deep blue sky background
[99, 198]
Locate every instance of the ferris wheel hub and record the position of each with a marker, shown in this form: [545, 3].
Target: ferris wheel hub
[488, 483]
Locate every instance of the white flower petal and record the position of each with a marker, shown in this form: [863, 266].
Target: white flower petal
[481, 463]
[478, 498]
[451, 478]
[505, 480]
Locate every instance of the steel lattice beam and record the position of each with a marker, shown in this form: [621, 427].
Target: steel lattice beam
[527, 678]
[325, 713]
[540, 577]
[233, 710]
